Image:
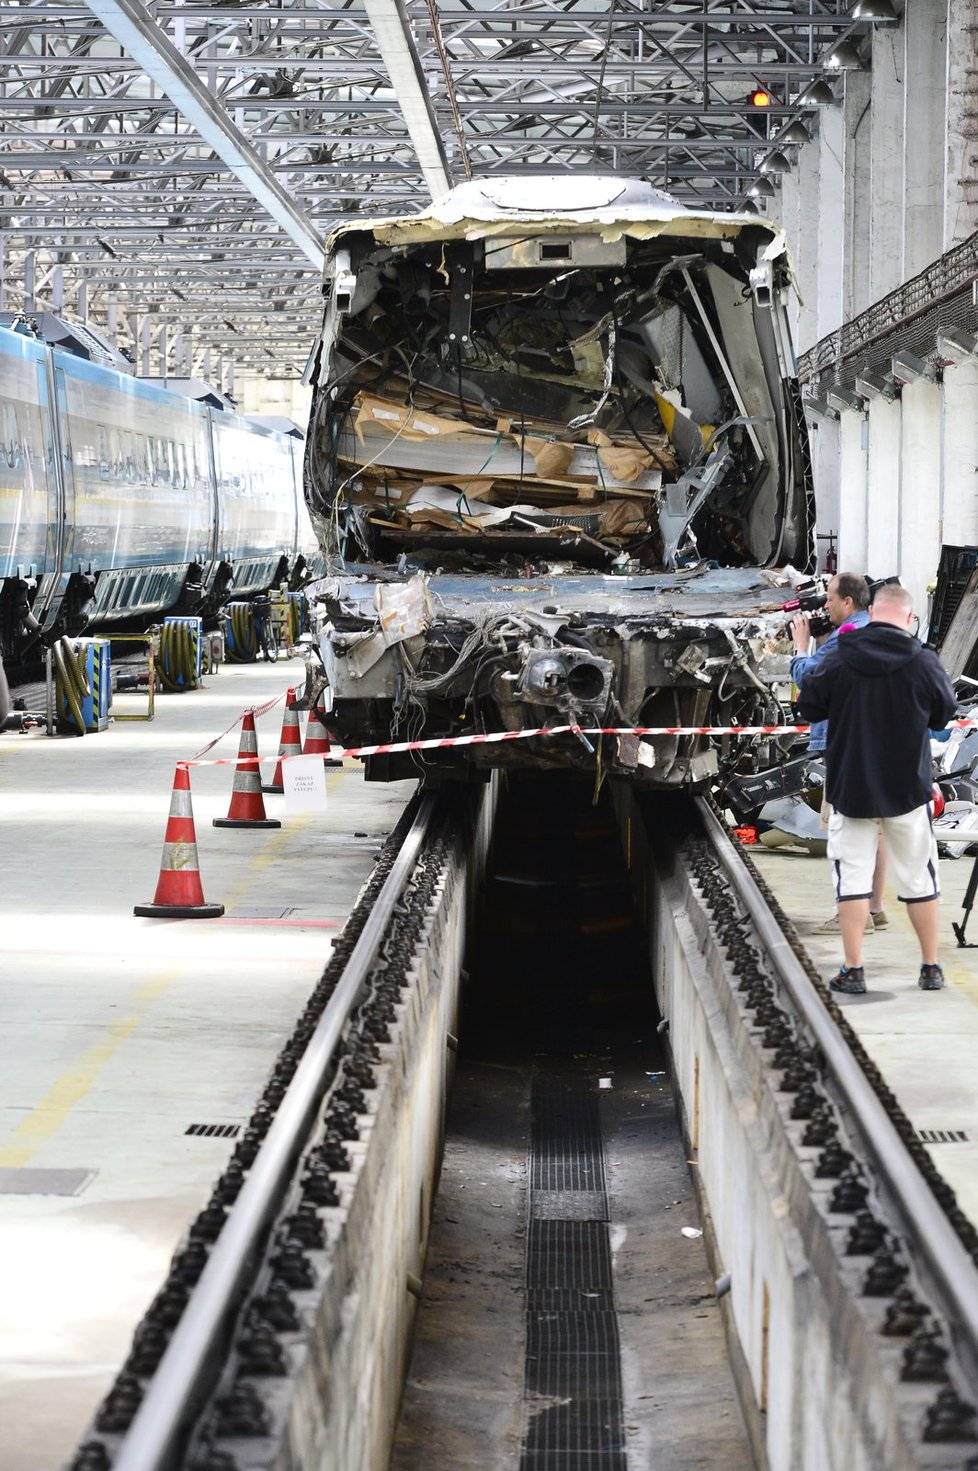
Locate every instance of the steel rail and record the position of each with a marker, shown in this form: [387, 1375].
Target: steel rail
[184, 1379]
[952, 1269]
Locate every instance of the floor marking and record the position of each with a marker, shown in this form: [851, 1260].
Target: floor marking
[301, 924]
[44, 1120]
[261, 861]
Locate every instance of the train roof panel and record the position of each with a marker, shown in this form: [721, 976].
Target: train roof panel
[605, 203]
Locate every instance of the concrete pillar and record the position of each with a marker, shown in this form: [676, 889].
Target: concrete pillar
[30, 264]
[798, 189]
[853, 492]
[884, 489]
[885, 243]
[959, 458]
[83, 300]
[857, 176]
[920, 471]
[824, 441]
[961, 138]
[827, 209]
[923, 134]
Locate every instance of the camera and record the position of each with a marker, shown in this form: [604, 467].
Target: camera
[810, 600]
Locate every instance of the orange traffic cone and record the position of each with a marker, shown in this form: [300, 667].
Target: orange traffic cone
[290, 743]
[318, 740]
[247, 808]
[178, 893]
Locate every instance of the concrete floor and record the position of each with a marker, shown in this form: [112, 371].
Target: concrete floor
[119, 1033]
[924, 1042]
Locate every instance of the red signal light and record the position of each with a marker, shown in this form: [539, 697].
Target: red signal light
[760, 97]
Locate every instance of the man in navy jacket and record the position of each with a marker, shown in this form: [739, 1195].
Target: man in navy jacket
[882, 693]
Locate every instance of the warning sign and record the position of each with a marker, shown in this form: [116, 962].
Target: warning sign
[304, 783]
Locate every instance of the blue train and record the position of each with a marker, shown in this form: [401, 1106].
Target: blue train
[121, 501]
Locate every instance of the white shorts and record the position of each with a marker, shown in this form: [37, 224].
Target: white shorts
[910, 842]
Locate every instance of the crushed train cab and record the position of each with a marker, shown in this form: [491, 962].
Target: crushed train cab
[556, 446]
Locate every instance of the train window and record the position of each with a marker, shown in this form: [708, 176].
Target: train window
[11, 435]
[102, 450]
[115, 454]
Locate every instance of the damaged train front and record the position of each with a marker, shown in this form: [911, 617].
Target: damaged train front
[555, 443]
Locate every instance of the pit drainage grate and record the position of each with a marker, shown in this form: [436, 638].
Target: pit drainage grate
[214, 1131]
[572, 1374]
[943, 1136]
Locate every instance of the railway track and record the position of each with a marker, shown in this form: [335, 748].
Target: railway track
[847, 1274]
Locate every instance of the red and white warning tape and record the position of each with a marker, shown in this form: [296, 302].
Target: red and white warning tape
[485, 738]
[256, 710]
[391, 748]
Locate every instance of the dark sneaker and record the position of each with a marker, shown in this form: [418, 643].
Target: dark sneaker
[931, 978]
[850, 981]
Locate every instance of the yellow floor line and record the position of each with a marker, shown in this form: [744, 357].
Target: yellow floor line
[77, 1081]
[263, 860]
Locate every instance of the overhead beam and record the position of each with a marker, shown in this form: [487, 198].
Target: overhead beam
[173, 74]
[392, 33]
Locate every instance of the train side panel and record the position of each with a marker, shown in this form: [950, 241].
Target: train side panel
[257, 495]
[144, 503]
[29, 500]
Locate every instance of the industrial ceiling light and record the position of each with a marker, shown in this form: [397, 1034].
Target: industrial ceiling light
[907, 367]
[817, 94]
[874, 385]
[750, 207]
[880, 12]
[761, 188]
[956, 345]
[843, 58]
[775, 163]
[795, 132]
[843, 398]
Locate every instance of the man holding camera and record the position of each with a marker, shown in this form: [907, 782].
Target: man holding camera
[846, 605]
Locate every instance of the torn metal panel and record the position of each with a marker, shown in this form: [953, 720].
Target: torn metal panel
[570, 382]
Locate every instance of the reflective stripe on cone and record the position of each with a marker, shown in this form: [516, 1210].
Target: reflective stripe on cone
[179, 894]
[247, 807]
[318, 740]
[290, 743]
